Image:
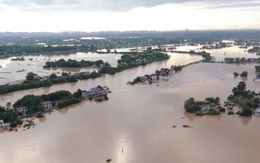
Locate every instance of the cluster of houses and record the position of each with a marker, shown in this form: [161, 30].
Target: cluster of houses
[23, 110]
[242, 60]
[163, 74]
[207, 106]
[98, 93]
[137, 61]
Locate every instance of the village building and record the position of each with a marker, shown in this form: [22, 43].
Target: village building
[36, 77]
[207, 107]
[123, 64]
[13, 83]
[85, 94]
[257, 111]
[45, 78]
[22, 110]
[142, 78]
[154, 77]
[2, 124]
[95, 91]
[47, 104]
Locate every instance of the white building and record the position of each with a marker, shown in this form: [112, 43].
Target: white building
[154, 77]
[94, 92]
[36, 77]
[86, 94]
[45, 78]
[22, 110]
[95, 89]
[207, 107]
[12, 83]
[2, 124]
[47, 104]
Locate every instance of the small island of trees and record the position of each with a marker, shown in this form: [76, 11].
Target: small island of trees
[210, 106]
[30, 105]
[247, 100]
[72, 63]
[244, 74]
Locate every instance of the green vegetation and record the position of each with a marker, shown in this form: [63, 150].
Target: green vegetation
[246, 111]
[244, 74]
[216, 100]
[212, 112]
[200, 108]
[13, 124]
[7, 116]
[176, 68]
[255, 49]
[33, 80]
[69, 101]
[191, 105]
[245, 99]
[31, 83]
[40, 115]
[199, 113]
[72, 63]
[33, 103]
[19, 121]
[207, 57]
[236, 74]
[257, 68]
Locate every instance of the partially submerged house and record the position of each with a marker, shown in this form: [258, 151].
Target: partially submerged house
[2, 124]
[21, 110]
[47, 104]
[95, 91]
[207, 107]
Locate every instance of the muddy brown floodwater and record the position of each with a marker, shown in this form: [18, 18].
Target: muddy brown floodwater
[135, 125]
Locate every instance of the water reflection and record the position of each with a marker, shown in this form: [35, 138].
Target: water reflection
[245, 120]
[43, 119]
[123, 148]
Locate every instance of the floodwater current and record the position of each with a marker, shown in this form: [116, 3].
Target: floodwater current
[135, 125]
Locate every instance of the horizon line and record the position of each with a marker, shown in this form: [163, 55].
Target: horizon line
[72, 31]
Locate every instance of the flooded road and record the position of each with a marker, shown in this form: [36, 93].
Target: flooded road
[135, 125]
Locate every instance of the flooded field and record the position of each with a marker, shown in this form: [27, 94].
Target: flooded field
[135, 125]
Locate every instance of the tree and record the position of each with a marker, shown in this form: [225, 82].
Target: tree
[8, 106]
[78, 94]
[246, 111]
[191, 106]
[241, 86]
[30, 76]
[53, 76]
[213, 100]
[244, 74]
[64, 74]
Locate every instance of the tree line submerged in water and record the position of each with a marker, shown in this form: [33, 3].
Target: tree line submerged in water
[126, 62]
[247, 101]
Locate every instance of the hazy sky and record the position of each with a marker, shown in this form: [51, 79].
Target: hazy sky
[113, 15]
